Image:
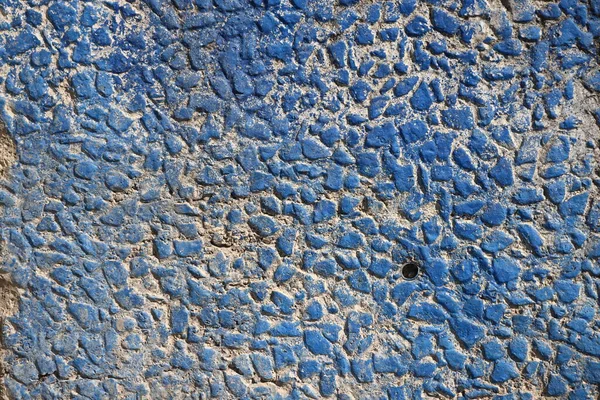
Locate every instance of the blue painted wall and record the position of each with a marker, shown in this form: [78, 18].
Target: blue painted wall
[218, 198]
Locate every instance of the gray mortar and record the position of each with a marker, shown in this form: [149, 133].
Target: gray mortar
[9, 296]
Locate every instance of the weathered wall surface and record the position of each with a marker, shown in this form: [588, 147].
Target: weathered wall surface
[300, 199]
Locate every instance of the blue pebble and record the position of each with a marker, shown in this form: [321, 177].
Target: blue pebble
[417, 27]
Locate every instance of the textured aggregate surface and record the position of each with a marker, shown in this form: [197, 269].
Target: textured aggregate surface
[217, 198]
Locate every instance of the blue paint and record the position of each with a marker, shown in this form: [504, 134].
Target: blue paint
[217, 199]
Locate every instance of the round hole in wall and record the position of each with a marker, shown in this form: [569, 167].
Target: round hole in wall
[410, 270]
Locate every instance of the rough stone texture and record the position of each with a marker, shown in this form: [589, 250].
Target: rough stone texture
[217, 199]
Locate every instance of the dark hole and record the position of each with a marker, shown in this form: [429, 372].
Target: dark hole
[410, 270]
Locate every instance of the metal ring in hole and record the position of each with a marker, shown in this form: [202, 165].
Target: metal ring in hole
[410, 270]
